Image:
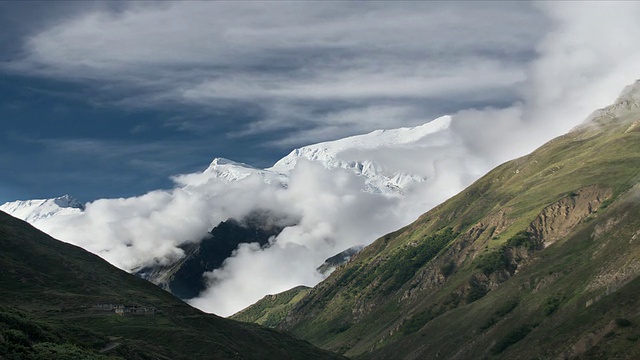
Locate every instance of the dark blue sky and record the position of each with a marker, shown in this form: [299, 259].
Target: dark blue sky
[109, 99]
[56, 139]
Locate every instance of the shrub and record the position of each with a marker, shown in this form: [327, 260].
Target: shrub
[489, 323]
[16, 336]
[416, 322]
[502, 311]
[622, 322]
[341, 328]
[447, 269]
[522, 238]
[606, 203]
[507, 308]
[493, 261]
[551, 304]
[451, 301]
[477, 290]
[511, 338]
[402, 266]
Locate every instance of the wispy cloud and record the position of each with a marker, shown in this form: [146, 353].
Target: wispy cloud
[291, 55]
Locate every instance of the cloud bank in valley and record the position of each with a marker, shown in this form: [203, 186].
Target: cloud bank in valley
[588, 54]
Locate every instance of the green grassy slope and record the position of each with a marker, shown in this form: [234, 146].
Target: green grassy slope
[539, 258]
[49, 288]
[272, 309]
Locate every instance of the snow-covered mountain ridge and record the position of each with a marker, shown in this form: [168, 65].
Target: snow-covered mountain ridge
[356, 153]
[33, 211]
[227, 171]
[328, 152]
[360, 154]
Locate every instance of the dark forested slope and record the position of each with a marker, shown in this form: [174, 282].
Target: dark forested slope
[59, 301]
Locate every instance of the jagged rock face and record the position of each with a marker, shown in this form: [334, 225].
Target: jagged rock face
[554, 222]
[356, 154]
[627, 101]
[185, 278]
[557, 220]
[635, 126]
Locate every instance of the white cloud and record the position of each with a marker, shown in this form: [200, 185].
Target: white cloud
[586, 60]
[334, 215]
[221, 33]
[305, 55]
[415, 80]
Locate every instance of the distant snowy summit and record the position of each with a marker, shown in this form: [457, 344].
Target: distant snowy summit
[366, 155]
[329, 152]
[227, 171]
[33, 211]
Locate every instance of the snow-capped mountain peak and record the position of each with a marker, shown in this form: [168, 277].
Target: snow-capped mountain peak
[227, 171]
[222, 161]
[359, 154]
[356, 153]
[33, 211]
[67, 201]
[327, 151]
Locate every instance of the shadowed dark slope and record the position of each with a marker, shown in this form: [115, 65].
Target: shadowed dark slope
[185, 277]
[60, 288]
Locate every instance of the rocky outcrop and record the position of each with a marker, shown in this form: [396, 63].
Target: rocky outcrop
[558, 219]
[590, 339]
[635, 126]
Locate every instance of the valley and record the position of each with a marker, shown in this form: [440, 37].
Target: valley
[537, 258]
